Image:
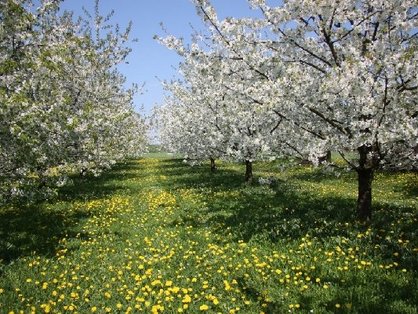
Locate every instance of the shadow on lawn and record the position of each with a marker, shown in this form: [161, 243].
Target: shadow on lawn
[109, 183]
[31, 229]
[182, 175]
[408, 189]
[280, 211]
[284, 212]
[25, 229]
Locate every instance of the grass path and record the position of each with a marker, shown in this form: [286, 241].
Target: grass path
[155, 236]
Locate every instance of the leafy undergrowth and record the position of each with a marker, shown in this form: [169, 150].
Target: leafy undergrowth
[157, 236]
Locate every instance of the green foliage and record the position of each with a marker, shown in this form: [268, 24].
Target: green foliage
[156, 235]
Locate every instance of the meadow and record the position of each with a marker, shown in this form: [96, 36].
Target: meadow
[158, 236]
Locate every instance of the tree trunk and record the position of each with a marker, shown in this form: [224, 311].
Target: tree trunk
[325, 158]
[248, 171]
[364, 200]
[365, 173]
[212, 165]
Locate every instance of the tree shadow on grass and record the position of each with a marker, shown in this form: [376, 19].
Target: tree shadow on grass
[109, 183]
[282, 214]
[284, 211]
[322, 174]
[173, 163]
[279, 211]
[408, 189]
[30, 229]
[385, 296]
[182, 175]
[26, 229]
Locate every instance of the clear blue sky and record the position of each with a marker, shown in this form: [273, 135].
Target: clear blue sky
[149, 60]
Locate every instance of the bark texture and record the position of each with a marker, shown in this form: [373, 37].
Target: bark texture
[248, 171]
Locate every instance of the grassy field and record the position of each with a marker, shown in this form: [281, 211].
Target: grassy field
[157, 236]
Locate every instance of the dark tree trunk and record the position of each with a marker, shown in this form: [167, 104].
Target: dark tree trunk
[248, 171]
[212, 165]
[364, 199]
[365, 172]
[325, 158]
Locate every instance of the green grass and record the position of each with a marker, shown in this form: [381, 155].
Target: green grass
[158, 236]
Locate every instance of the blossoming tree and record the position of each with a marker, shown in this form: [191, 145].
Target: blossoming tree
[351, 75]
[334, 76]
[63, 105]
[221, 96]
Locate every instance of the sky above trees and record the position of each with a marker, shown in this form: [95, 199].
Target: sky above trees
[149, 61]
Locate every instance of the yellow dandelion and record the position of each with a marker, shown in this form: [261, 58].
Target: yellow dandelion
[156, 282]
[74, 295]
[204, 307]
[46, 308]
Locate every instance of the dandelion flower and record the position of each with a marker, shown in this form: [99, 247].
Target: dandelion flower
[204, 307]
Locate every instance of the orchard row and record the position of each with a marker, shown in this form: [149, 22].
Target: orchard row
[64, 108]
[304, 79]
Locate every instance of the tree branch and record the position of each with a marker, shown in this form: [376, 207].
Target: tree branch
[329, 121]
